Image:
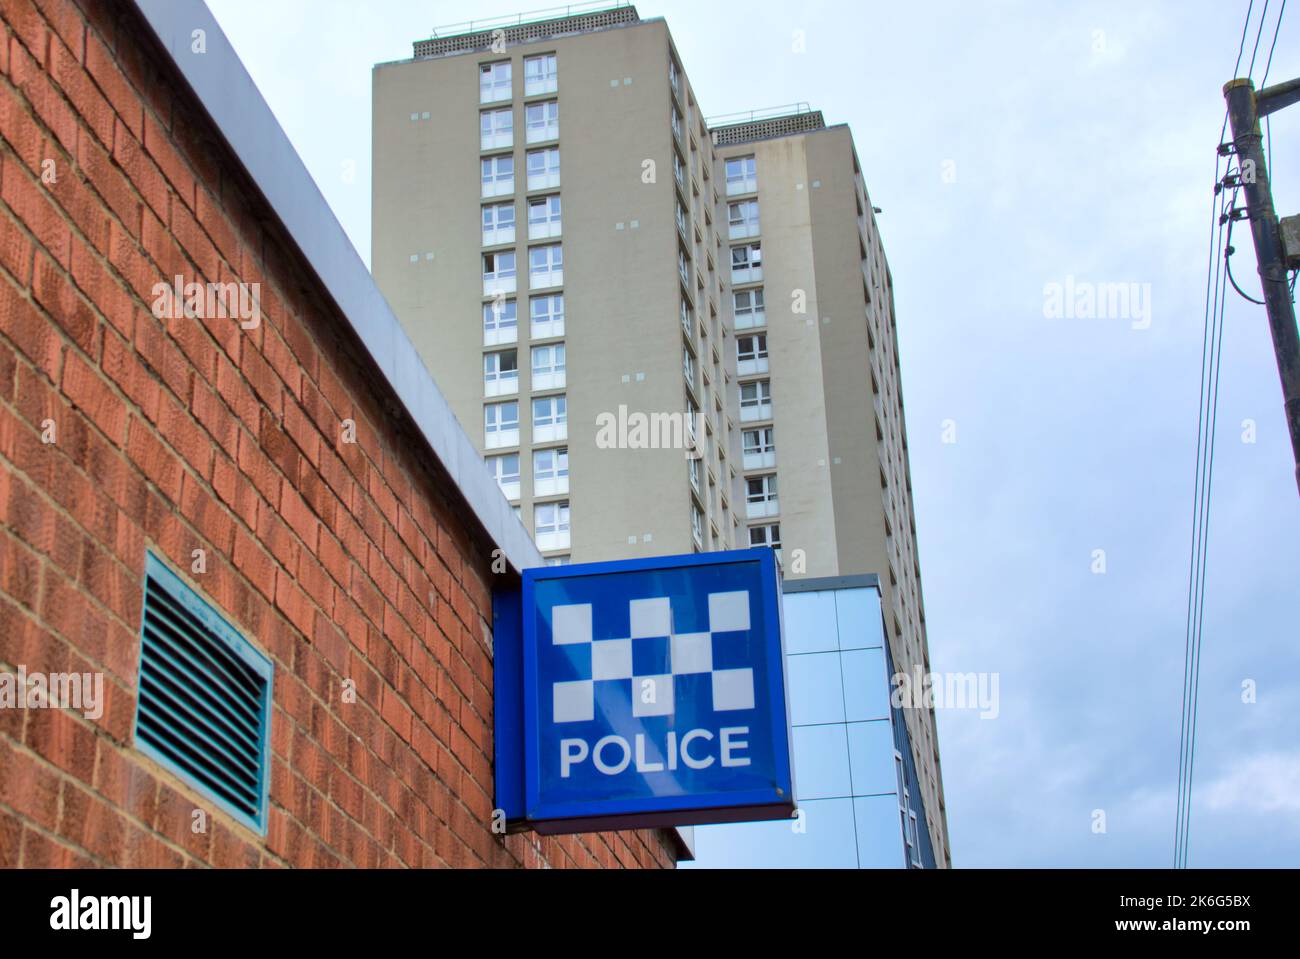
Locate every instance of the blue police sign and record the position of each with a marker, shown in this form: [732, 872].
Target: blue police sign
[653, 693]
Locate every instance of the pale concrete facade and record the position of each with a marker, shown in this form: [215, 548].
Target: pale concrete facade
[837, 420]
[622, 290]
[637, 331]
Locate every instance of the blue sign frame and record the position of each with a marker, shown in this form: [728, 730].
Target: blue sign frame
[528, 793]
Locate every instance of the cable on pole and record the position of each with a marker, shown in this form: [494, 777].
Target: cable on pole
[1228, 250]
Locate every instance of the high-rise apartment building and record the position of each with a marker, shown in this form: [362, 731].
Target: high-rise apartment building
[666, 335]
[548, 227]
[824, 442]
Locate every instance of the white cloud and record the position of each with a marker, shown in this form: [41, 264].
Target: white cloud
[1263, 784]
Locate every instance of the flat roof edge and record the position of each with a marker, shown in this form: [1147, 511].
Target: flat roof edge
[488, 35]
[815, 584]
[436, 57]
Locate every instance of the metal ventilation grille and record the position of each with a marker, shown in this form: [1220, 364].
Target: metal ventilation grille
[204, 697]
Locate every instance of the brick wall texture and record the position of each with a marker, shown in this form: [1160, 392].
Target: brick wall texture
[122, 433]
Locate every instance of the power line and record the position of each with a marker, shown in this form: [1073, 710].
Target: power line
[1268, 121]
[1241, 49]
[1207, 419]
[1212, 406]
[1250, 71]
[1273, 46]
[1191, 649]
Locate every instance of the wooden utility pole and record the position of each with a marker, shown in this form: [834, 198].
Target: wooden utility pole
[1245, 108]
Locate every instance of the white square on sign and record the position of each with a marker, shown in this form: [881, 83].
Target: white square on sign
[575, 702]
[652, 696]
[611, 659]
[733, 689]
[571, 624]
[692, 653]
[651, 617]
[729, 612]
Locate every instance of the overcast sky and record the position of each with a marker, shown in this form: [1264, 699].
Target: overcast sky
[1010, 146]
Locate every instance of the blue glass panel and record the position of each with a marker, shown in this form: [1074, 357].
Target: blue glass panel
[871, 748]
[858, 616]
[825, 842]
[821, 762]
[809, 622]
[866, 684]
[880, 836]
[815, 692]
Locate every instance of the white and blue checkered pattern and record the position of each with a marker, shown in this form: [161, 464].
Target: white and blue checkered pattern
[689, 653]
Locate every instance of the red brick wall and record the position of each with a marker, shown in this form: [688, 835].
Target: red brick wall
[341, 561]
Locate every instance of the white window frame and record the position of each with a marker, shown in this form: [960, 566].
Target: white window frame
[500, 321]
[679, 169]
[495, 81]
[549, 321]
[548, 367]
[547, 225]
[549, 178]
[497, 228]
[553, 426]
[697, 525]
[551, 272]
[501, 373]
[688, 367]
[759, 407]
[544, 80]
[687, 317]
[551, 525]
[551, 471]
[771, 535]
[492, 180]
[499, 430]
[742, 219]
[542, 121]
[755, 314]
[742, 175]
[683, 267]
[509, 483]
[496, 129]
[502, 276]
[760, 453]
[765, 502]
[751, 354]
[750, 268]
[676, 121]
[910, 854]
[914, 842]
